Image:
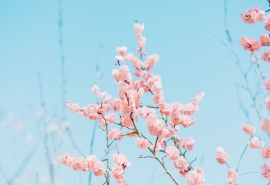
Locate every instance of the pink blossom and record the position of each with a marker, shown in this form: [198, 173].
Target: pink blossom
[118, 173]
[267, 101]
[251, 44]
[265, 152]
[265, 171]
[155, 127]
[121, 159]
[248, 129]
[121, 50]
[265, 125]
[138, 28]
[267, 84]
[96, 91]
[111, 118]
[121, 163]
[115, 134]
[255, 143]
[265, 40]
[195, 177]
[232, 177]
[182, 164]
[142, 143]
[266, 56]
[172, 152]
[167, 132]
[188, 144]
[91, 163]
[221, 156]
[253, 15]
[267, 23]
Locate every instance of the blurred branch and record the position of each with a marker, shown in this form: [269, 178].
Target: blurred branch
[24, 163]
[98, 77]
[4, 175]
[244, 73]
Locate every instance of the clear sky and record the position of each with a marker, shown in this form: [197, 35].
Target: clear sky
[185, 34]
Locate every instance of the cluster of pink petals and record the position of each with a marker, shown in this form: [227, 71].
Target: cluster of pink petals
[221, 156]
[251, 44]
[248, 129]
[195, 177]
[142, 143]
[266, 56]
[232, 177]
[142, 40]
[182, 164]
[265, 39]
[265, 171]
[115, 134]
[267, 101]
[265, 152]
[253, 15]
[121, 51]
[265, 125]
[122, 74]
[95, 111]
[172, 152]
[91, 163]
[255, 143]
[188, 143]
[267, 84]
[121, 163]
[150, 62]
[96, 91]
[267, 23]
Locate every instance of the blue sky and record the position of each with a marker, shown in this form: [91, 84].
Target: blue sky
[186, 36]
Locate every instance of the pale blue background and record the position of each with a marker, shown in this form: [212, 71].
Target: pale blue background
[192, 60]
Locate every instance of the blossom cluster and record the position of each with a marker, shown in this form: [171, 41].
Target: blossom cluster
[90, 163]
[162, 119]
[121, 163]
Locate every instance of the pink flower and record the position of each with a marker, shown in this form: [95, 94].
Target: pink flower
[251, 44]
[138, 28]
[195, 177]
[265, 40]
[265, 153]
[142, 143]
[266, 56]
[118, 173]
[172, 152]
[97, 92]
[232, 177]
[248, 129]
[267, 84]
[121, 163]
[115, 134]
[265, 171]
[267, 101]
[121, 50]
[167, 132]
[267, 23]
[121, 159]
[188, 144]
[265, 125]
[253, 15]
[111, 118]
[182, 164]
[221, 156]
[255, 143]
[91, 163]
